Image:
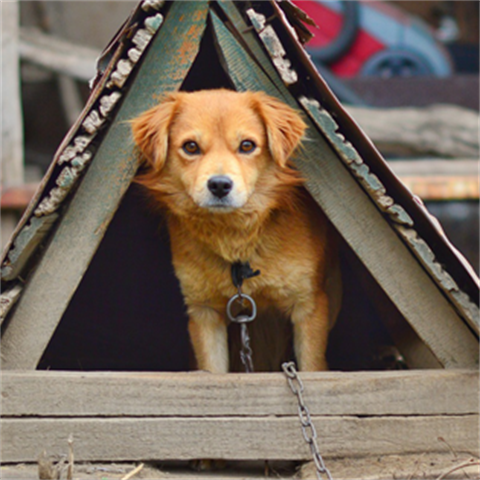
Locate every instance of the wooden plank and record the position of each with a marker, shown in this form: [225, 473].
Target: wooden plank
[440, 130]
[417, 167]
[25, 244]
[8, 298]
[12, 170]
[274, 438]
[247, 35]
[365, 229]
[430, 179]
[84, 223]
[80, 394]
[57, 54]
[245, 73]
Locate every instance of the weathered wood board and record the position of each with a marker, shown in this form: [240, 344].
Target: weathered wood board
[166, 416]
[438, 130]
[58, 55]
[64, 394]
[251, 438]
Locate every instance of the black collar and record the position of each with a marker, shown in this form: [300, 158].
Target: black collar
[241, 271]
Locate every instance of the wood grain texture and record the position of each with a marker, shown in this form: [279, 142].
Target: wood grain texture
[25, 244]
[280, 438]
[440, 130]
[87, 217]
[57, 54]
[182, 416]
[77, 394]
[8, 298]
[363, 226]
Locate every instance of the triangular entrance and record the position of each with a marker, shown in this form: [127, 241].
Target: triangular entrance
[397, 278]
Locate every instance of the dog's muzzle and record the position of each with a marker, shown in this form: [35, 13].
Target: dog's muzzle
[220, 186]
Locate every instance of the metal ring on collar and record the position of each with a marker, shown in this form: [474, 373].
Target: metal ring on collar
[241, 318]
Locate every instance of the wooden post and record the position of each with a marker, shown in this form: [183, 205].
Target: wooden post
[10, 105]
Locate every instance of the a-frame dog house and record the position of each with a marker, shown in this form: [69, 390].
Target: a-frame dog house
[400, 268]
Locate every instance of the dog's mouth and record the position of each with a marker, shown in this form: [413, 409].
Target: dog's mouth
[223, 205]
[220, 195]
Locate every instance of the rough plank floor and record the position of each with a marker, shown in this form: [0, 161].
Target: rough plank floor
[427, 466]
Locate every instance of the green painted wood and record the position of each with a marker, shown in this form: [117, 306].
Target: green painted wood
[87, 217]
[250, 38]
[362, 224]
[242, 68]
[25, 244]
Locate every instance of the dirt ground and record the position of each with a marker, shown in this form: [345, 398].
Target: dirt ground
[450, 466]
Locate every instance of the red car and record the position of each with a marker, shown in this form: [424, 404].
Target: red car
[366, 37]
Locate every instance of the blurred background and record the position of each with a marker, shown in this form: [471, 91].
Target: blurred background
[407, 71]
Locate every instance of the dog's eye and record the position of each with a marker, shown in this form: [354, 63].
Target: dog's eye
[247, 146]
[191, 148]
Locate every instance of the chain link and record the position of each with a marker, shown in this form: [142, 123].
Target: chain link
[246, 352]
[308, 428]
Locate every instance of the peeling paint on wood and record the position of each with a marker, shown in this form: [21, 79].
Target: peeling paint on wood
[141, 39]
[370, 182]
[80, 143]
[424, 253]
[93, 122]
[120, 75]
[26, 243]
[8, 299]
[251, 39]
[148, 5]
[274, 47]
[152, 24]
[95, 119]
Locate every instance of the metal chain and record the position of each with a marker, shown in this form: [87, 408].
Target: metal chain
[308, 428]
[246, 352]
[241, 271]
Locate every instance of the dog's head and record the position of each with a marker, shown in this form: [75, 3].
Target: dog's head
[217, 150]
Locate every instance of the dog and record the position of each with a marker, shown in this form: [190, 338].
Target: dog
[218, 163]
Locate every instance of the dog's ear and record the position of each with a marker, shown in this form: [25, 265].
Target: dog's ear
[285, 127]
[150, 132]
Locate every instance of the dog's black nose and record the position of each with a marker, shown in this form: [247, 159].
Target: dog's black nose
[220, 186]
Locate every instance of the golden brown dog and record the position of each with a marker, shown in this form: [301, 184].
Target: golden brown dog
[218, 162]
